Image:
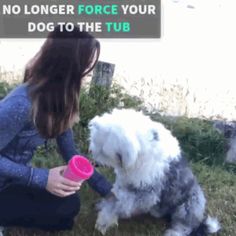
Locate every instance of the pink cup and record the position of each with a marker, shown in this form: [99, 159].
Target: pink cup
[79, 169]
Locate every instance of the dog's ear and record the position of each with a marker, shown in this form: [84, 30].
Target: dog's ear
[155, 131]
[129, 154]
[154, 134]
[125, 161]
[120, 159]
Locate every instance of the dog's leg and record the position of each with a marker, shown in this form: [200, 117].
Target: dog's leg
[112, 209]
[158, 212]
[107, 215]
[105, 220]
[178, 230]
[189, 215]
[1, 231]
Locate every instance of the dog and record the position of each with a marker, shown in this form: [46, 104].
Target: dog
[152, 176]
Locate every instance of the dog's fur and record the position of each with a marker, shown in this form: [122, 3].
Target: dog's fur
[1, 231]
[152, 176]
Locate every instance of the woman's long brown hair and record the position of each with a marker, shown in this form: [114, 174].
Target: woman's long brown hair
[54, 78]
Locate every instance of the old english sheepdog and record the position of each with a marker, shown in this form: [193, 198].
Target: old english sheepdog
[151, 174]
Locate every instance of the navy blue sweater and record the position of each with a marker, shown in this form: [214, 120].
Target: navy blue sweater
[19, 139]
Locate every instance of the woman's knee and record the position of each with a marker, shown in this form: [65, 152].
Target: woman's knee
[70, 207]
[75, 204]
[63, 216]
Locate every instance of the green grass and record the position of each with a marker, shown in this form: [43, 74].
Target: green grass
[219, 186]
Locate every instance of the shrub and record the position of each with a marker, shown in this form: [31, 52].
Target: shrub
[4, 89]
[200, 142]
[198, 139]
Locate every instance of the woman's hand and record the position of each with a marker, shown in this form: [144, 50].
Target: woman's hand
[59, 185]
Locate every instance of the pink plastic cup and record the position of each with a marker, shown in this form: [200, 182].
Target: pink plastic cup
[79, 169]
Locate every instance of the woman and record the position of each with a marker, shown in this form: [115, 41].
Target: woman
[45, 107]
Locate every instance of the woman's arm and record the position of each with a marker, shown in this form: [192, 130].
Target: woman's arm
[67, 148]
[66, 145]
[14, 113]
[21, 174]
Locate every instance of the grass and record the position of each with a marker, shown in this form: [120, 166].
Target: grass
[219, 186]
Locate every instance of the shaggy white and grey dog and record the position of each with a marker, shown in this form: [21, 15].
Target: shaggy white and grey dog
[151, 174]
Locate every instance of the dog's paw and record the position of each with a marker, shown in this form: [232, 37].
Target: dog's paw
[109, 200]
[104, 222]
[155, 213]
[102, 228]
[171, 232]
[1, 231]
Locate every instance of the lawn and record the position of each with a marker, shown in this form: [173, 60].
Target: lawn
[219, 186]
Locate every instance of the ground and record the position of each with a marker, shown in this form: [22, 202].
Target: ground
[219, 186]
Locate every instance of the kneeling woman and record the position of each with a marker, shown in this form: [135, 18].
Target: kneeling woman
[45, 107]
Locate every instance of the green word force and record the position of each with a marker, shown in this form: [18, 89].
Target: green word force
[98, 9]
